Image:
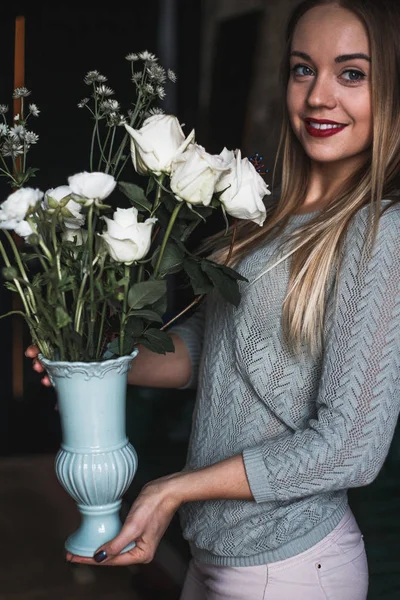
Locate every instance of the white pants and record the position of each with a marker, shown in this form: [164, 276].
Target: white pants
[334, 569]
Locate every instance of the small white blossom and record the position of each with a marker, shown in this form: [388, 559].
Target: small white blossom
[149, 88]
[157, 73]
[171, 75]
[17, 132]
[132, 57]
[104, 90]
[136, 77]
[16, 117]
[94, 77]
[83, 102]
[109, 106]
[11, 148]
[3, 129]
[31, 138]
[160, 92]
[33, 109]
[3, 109]
[147, 56]
[21, 92]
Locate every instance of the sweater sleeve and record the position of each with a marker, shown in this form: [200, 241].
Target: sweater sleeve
[191, 331]
[358, 400]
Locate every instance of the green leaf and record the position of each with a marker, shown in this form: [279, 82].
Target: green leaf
[160, 307]
[200, 282]
[147, 314]
[157, 341]
[136, 195]
[146, 293]
[225, 283]
[62, 317]
[171, 261]
[134, 327]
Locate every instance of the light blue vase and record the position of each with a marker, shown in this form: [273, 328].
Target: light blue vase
[96, 463]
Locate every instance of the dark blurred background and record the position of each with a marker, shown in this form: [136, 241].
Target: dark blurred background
[226, 54]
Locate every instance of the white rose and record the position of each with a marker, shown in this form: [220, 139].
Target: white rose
[71, 210]
[93, 186]
[194, 174]
[126, 239]
[156, 143]
[19, 204]
[244, 190]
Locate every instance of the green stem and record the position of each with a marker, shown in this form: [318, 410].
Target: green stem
[92, 311]
[166, 236]
[101, 329]
[22, 269]
[159, 181]
[15, 281]
[124, 310]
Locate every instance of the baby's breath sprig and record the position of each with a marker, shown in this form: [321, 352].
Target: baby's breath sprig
[16, 141]
[148, 78]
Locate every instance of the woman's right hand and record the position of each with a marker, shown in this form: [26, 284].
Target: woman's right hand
[32, 352]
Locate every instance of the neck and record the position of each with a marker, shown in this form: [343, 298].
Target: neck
[325, 181]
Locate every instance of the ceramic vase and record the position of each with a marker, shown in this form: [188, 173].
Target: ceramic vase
[95, 463]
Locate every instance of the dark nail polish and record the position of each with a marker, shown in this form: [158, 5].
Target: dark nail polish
[100, 556]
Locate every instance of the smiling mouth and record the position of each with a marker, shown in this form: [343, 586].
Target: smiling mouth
[323, 127]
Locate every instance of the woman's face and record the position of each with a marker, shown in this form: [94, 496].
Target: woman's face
[329, 91]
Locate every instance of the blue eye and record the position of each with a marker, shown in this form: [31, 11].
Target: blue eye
[353, 75]
[302, 70]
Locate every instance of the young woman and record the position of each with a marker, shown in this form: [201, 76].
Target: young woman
[298, 388]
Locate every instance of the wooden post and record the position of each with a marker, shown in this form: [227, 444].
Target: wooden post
[17, 322]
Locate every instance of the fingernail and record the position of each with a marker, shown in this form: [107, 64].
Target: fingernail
[100, 556]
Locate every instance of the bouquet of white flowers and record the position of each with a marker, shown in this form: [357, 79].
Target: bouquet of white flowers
[92, 276]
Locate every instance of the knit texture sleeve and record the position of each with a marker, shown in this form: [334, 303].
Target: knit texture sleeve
[358, 399]
[191, 331]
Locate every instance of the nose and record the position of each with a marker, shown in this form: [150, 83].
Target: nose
[322, 93]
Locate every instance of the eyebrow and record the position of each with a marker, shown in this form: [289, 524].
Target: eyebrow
[338, 59]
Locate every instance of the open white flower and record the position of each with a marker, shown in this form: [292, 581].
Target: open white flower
[23, 229]
[70, 210]
[19, 204]
[125, 238]
[194, 174]
[157, 143]
[94, 186]
[244, 189]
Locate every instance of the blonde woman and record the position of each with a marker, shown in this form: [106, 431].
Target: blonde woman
[298, 388]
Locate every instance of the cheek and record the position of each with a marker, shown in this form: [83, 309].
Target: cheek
[292, 102]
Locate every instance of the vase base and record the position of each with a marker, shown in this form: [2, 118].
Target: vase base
[88, 552]
[99, 525]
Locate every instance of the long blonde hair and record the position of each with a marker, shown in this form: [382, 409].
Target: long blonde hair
[318, 244]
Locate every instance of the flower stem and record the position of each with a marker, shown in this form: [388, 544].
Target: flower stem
[159, 181]
[124, 311]
[166, 236]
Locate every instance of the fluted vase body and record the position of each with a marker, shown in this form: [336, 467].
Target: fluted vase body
[96, 463]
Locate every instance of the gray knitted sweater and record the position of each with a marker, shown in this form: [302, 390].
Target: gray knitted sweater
[308, 428]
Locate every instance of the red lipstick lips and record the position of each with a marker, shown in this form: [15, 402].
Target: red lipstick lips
[322, 128]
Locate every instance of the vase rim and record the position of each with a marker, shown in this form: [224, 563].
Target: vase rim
[84, 364]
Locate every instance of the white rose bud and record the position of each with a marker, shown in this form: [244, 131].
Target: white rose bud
[156, 143]
[126, 239]
[19, 204]
[194, 174]
[71, 210]
[244, 189]
[93, 186]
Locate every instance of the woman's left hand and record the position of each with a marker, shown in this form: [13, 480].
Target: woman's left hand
[145, 524]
